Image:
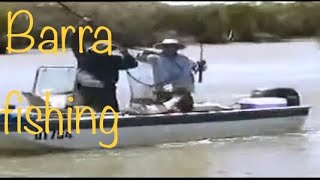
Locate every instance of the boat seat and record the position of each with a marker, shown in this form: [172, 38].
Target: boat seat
[57, 101]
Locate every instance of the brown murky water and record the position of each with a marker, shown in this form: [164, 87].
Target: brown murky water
[234, 70]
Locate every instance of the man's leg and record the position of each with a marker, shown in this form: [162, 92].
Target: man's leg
[103, 97]
[111, 98]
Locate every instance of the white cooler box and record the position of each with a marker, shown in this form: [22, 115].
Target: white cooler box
[262, 102]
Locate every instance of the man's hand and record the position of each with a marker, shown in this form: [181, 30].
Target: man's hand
[201, 66]
[202, 63]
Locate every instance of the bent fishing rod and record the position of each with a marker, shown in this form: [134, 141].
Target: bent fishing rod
[71, 11]
[200, 68]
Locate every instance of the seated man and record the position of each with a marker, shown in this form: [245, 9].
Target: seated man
[177, 103]
[98, 74]
[170, 67]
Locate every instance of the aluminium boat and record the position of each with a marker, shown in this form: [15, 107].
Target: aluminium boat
[264, 112]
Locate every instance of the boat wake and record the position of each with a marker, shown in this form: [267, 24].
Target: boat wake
[308, 133]
[215, 143]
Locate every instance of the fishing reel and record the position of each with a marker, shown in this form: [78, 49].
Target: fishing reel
[201, 66]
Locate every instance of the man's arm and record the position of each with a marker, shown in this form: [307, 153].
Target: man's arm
[127, 61]
[148, 56]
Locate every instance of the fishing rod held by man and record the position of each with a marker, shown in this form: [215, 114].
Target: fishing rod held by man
[171, 67]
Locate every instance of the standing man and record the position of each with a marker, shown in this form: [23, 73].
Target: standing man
[170, 67]
[98, 74]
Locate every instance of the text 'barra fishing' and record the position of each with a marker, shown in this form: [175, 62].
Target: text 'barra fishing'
[48, 110]
[55, 40]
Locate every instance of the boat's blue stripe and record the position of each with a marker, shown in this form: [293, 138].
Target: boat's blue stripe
[13, 118]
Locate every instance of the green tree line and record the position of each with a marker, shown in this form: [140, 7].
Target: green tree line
[144, 23]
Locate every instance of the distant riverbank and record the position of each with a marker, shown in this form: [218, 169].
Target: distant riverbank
[144, 23]
[138, 48]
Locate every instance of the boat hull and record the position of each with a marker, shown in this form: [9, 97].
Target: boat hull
[159, 129]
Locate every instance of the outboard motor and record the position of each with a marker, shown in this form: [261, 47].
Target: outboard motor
[292, 97]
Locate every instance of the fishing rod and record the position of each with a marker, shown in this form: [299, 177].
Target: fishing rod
[71, 11]
[81, 17]
[201, 63]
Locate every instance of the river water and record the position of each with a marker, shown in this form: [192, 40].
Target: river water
[233, 71]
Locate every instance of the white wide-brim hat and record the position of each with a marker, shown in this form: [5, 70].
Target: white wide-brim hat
[169, 42]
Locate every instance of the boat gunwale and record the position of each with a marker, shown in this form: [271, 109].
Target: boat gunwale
[174, 118]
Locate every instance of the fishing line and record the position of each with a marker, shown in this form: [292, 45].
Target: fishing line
[160, 83]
